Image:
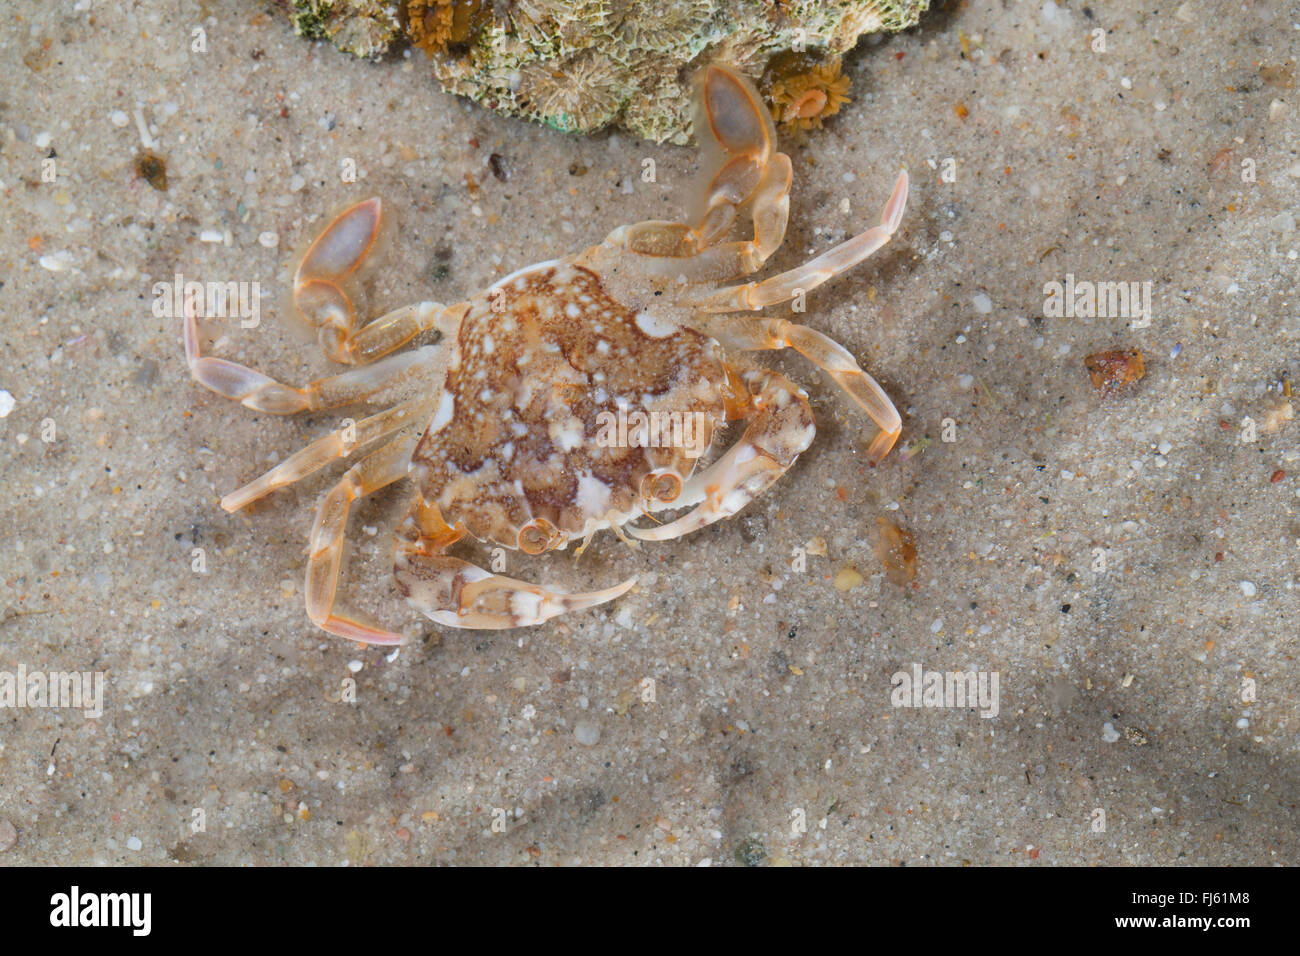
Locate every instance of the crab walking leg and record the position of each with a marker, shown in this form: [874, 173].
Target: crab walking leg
[653, 238]
[264, 394]
[673, 248]
[382, 467]
[455, 593]
[727, 260]
[332, 257]
[754, 334]
[335, 445]
[771, 212]
[783, 287]
[782, 428]
[742, 138]
[392, 331]
[768, 182]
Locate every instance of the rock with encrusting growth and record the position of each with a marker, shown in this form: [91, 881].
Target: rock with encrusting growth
[580, 65]
[363, 27]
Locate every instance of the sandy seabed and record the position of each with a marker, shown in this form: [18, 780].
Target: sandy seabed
[1126, 565]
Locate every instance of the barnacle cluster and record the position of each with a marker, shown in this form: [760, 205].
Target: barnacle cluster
[579, 65]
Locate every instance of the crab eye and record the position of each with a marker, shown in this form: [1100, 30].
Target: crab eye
[536, 536]
[662, 486]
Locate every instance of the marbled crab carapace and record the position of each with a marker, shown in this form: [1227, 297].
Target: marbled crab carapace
[578, 394]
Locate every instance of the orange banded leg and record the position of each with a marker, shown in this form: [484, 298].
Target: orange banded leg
[337, 444]
[395, 329]
[455, 593]
[783, 287]
[781, 428]
[669, 251]
[378, 469]
[739, 142]
[755, 334]
[264, 394]
[319, 296]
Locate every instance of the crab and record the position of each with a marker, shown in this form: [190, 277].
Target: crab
[516, 448]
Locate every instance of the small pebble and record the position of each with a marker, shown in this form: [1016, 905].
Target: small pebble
[118, 118]
[587, 733]
[210, 235]
[133, 843]
[983, 304]
[1109, 733]
[1283, 222]
[896, 551]
[847, 579]
[355, 666]
[8, 835]
[7, 403]
[1248, 588]
[268, 240]
[1115, 369]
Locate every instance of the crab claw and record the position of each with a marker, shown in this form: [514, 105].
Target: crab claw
[735, 479]
[777, 434]
[496, 601]
[455, 593]
[493, 601]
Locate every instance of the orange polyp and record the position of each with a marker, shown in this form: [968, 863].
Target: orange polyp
[810, 104]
